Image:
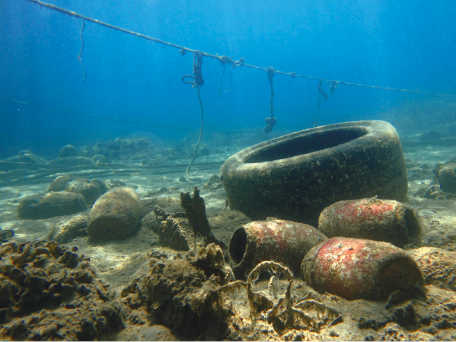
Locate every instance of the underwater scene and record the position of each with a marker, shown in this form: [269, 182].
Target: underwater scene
[228, 170]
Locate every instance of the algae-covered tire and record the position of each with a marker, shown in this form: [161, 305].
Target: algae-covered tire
[296, 176]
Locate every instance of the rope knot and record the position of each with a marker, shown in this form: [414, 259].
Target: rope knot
[198, 80]
[226, 60]
[333, 87]
[240, 61]
[197, 64]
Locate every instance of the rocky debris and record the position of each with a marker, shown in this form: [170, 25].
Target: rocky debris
[439, 229]
[68, 151]
[151, 221]
[115, 215]
[434, 193]
[145, 332]
[71, 161]
[204, 152]
[25, 156]
[265, 307]
[140, 149]
[443, 185]
[446, 175]
[172, 231]
[436, 315]
[416, 173]
[217, 142]
[430, 136]
[90, 189]
[181, 297]
[169, 204]
[49, 292]
[196, 297]
[25, 160]
[66, 230]
[5, 235]
[195, 211]
[101, 159]
[211, 260]
[222, 223]
[213, 183]
[109, 184]
[60, 183]
[225, 223]
[437, 265]
[51, 204]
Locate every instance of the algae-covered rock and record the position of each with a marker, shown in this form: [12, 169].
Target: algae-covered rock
[68, 151]
[437, 265]
[169, 204]
[49, 292]
[430, 136]
[25, 156]
[115, 215]
[447, 177]
[51, 204]
[101, 159]
[24, 160]
[184, 295]
[89, 189]
[60, 183]
[68, 229]
[150, 221]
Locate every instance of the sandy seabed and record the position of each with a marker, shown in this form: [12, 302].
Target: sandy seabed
[119, 262]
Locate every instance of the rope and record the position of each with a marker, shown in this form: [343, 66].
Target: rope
[197, 83]
[310, 102]
[320, 89]
[271, 121]
[233, 66]
[82, 49]
[220, 82]
[95, 116]
[240, 62]
[197, 64]
[318, 109]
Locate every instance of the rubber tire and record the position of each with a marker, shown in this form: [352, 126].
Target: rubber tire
[294, 177]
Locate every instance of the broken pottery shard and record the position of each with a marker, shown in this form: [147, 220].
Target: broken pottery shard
[196, 213]
[170, 233]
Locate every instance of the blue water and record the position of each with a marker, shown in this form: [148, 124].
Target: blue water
[401, 44]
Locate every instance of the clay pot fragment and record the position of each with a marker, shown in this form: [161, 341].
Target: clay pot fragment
[358, 268]
[279, 240]
[373, 219]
